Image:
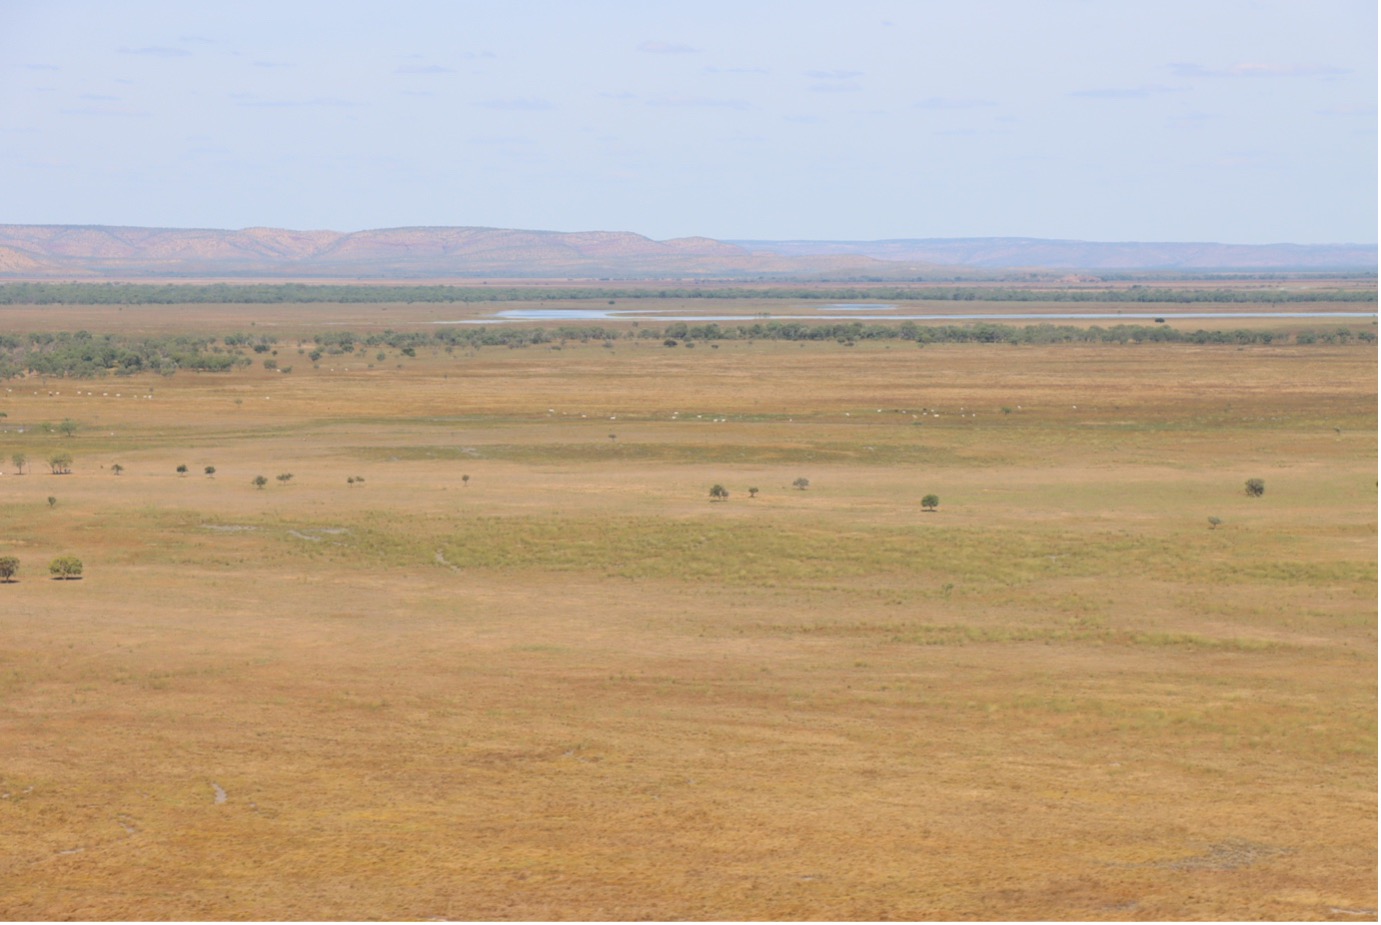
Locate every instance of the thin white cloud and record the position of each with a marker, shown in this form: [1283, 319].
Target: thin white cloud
[501, 140]
[835, 81]
[1126, 93]
[105, 112]
[157, 51]
[1194, 119]
[518, 105]
[951, 102]
[1254, 69]
[697, 102]
[1352, 111]
[424, 70]
[666, 48]
[756, 71]
[318, 102]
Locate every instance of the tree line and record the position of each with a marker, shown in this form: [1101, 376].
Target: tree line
[83, 355]
[288, 293]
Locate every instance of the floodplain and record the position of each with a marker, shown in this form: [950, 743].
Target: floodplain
[493, 651]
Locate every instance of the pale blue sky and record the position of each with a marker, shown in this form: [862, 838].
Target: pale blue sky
[1239, 121]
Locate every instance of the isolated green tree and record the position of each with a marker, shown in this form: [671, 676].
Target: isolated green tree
[752, 492]
[68, 427]
[464, 481]
[210, 471]
[719, 493]
[1256, 488]
[801, 484]
[65, 567]
[285, 477]
[8, 566]
[20, 461]
[182, 469]
[930, 502]
[260, 481]
[1214, 523]
[117, 468]
[52, 502]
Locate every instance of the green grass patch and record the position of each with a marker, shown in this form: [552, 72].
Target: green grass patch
[606, 451]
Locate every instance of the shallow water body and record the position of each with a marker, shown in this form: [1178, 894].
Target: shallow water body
[848, 311]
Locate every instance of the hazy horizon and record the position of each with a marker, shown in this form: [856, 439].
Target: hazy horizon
[1229, 122]
[726, 240]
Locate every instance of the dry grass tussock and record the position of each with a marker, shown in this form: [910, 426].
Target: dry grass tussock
[569, 686]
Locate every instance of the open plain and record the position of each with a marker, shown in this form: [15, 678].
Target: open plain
[493, 652]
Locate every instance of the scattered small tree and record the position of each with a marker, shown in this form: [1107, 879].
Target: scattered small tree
[930, 502]
[20, 461]
[182, 469]
[68, 427]
[1256, 488]
[464, 481]
[260, 481]
[117, 468]
[1214, 523]
[719, 493]
[8, 566]
[65, 567]
[60, 463]
[752, 493]
[52, 502]
[801, 484]
[210, 471]
[285, 477]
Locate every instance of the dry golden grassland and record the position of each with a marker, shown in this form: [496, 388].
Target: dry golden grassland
[574, 687]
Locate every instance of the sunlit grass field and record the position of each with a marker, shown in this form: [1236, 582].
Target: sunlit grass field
[493, 652]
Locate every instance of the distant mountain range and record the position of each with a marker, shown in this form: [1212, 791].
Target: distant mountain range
[115, 252]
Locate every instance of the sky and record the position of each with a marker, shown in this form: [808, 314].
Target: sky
[1232, 121]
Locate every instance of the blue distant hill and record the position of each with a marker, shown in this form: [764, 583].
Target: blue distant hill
[1011, 253]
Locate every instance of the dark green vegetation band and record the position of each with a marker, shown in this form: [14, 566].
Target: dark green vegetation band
[85, 355]
[274, 294]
